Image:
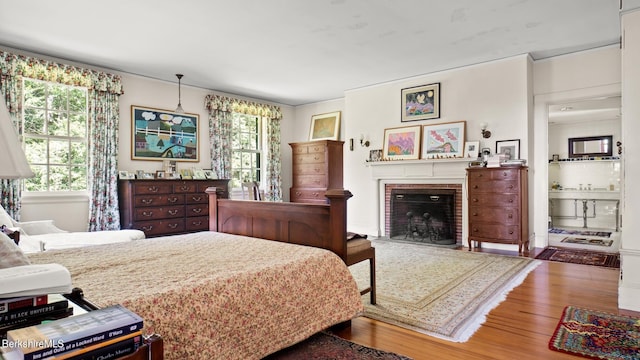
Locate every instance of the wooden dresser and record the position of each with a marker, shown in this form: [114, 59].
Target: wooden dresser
[317, 166]
[164, 207]
[498, 206]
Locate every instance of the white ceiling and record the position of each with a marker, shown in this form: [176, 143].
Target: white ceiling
[301, 51]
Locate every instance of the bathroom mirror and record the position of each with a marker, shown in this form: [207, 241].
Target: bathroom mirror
[591, 146]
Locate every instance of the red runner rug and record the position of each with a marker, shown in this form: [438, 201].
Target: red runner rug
[576, 256]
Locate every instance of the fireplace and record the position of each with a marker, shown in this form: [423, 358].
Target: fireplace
[426, 213]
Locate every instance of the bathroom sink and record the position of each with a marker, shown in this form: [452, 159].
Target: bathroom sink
[584, 194]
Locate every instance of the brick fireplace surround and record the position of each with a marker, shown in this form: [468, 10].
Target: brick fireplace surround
[458, 203]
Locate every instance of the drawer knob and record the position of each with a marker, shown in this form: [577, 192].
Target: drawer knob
[475, 230]
[475, 214]
[172, 212]
[147, 213]
[475, 186]
[173, 226]
[197, 210]
[153, 189]
[196, 198]
[184, 187]
[173, 199]
[511, 200]
[511, 186]
[147, 228]
[511, 232]
[196, 223]
[475, 200]
[147, 201]
[510, 216]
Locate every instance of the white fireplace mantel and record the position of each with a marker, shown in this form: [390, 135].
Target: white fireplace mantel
[419, 169]
[431, 171]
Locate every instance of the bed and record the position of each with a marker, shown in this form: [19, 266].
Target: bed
[243, 290]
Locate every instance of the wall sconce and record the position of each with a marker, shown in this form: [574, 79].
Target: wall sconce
[364, 142]
[485, 133]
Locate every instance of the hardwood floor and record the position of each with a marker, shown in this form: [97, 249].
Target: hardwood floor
[519, 328]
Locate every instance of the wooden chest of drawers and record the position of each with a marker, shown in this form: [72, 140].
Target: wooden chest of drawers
[498, 206]
[317, 166]
[163, 207]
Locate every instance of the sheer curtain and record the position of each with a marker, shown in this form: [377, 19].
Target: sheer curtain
[104, 91]
[220, 109]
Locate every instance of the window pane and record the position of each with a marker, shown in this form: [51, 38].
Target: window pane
[39, 181]
[33, 121]
[78, 153]
[58, 98]
[57, 124]
[78, 178]
[77, 100]
[35, 94]
[59, 178]
[36, 150]
[78, 125]
[58, 152]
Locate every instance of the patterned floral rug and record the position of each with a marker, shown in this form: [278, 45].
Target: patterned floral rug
[322, 346]
[441, 292]
[597, 335]
[587, 241]
[584, 257]
[580, 232]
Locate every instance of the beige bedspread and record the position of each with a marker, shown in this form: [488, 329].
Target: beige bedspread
[217, 296]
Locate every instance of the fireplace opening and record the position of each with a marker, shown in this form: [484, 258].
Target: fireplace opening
[423, 215]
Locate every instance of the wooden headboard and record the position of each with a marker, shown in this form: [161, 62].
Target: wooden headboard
[319, 225]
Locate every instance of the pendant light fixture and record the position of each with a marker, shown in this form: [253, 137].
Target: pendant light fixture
[179, 109]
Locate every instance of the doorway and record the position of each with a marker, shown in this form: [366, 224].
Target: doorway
[584, 188]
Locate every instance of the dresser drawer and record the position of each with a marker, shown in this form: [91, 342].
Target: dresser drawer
[197, 198]
[310, 181]
[185, 187]
[164, 212]
[310, 169]
[197, 210]
[308, 194]
[200, 223]
[494, 186]
[316, 158]
[146, 188]
[158, 200]
[494, 231]
[160, 227]
[502, 215]
[493, 174]
[488, 199]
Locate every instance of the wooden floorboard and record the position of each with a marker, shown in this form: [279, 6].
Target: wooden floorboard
[519, 328]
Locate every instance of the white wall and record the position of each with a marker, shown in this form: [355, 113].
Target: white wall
[494, 92]
[629, 289]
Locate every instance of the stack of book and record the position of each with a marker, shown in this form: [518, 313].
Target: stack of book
[22, 311]
[105, 333]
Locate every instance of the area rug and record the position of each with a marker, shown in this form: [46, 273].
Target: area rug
[322, 346]
[597, 335]
[584, 257]
[441, 292]
[586, 241]
[580, 232]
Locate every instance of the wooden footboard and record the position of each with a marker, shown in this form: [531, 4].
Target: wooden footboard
[318, 225]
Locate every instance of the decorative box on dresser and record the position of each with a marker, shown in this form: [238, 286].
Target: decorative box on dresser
[317, 166]
[498, 206]
[165, 207]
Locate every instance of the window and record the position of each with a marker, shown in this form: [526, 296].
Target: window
[54, 130]
[245, 161]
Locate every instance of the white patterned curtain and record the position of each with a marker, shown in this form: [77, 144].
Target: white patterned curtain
[220, 121]
[104, 91]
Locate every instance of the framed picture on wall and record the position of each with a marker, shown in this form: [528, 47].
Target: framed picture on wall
[421, 102]
[471, 149]
[163, 135]
[443, 141]
[402, 143]
[325, 126]
[510, 148]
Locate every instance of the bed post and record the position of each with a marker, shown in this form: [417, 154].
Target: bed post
[213, 207]
[338, 220]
